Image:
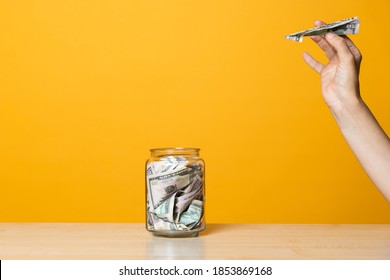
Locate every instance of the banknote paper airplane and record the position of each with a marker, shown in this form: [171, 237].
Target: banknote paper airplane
[341, 27]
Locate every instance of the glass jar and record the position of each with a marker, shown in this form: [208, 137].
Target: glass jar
[175, 192]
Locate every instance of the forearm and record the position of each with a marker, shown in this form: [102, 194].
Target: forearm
[368, 141]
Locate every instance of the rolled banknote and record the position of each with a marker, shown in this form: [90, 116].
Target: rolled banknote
[341, 27]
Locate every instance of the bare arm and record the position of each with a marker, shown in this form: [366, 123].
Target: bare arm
[340, 89]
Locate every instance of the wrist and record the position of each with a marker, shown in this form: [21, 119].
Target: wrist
[346, 113]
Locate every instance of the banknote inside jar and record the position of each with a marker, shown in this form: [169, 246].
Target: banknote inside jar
[175, 194]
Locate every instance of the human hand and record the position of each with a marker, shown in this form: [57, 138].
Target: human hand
[340, 76]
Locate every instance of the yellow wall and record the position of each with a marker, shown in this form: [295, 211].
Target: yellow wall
[88, 87]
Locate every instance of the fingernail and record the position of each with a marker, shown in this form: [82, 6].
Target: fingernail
[329, 35]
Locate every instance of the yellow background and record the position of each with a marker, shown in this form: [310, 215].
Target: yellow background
[88, 87]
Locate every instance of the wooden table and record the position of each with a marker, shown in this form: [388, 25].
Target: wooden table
[219, 241]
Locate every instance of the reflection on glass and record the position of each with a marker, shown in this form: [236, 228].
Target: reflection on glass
[165, 248]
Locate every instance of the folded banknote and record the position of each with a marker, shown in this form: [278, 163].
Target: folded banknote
[341, 27]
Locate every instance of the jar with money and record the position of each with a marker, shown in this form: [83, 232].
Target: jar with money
[175, 192]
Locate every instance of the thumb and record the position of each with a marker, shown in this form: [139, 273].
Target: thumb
[340, 45]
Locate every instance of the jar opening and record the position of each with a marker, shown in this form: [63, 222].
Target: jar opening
[174, 151]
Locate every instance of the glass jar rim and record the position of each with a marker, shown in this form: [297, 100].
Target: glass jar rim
[175, 149]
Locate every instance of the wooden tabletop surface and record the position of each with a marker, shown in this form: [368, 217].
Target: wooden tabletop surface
[125, 241]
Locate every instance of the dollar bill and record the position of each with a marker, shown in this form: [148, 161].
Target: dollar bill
[341, 27]
[174, 190]
[166, 164]
[193, 214]
[162, 186]
[175, 160]
[166, 209]
[162, 167]
[184, 200]
[165, 225]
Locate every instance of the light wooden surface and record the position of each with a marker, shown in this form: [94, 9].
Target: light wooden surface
[219, 241]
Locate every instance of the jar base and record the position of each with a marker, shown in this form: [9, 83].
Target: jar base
[181, 233]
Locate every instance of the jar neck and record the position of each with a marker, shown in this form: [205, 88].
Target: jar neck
[174, 152]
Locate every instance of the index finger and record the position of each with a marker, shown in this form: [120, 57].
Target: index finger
[322, 42]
